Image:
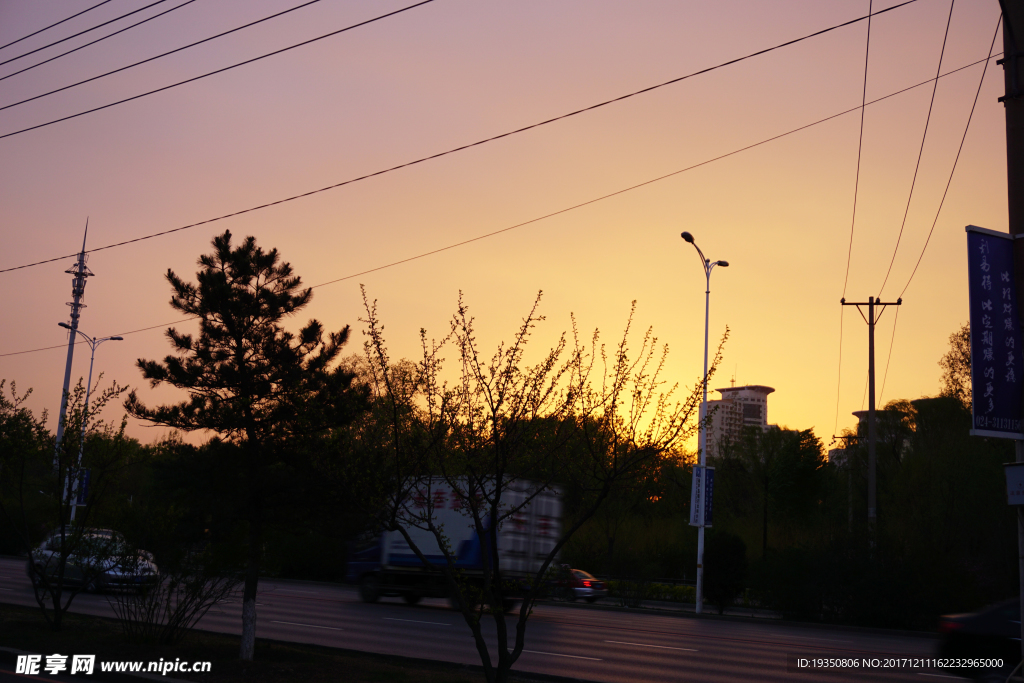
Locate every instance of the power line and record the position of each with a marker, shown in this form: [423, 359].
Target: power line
[150, 59]
[860, 147]
[839, 384]
[64, 346]
[109, 35]
[88, 30]
[217, 71]
[853, 219]
[938, 211]
[424, 2]
[892, 342]
[576, 206]
[472, 144]
[963, 139]
[920, 152]
[47, 28]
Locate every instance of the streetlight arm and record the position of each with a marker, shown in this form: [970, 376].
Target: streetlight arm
[705, 264]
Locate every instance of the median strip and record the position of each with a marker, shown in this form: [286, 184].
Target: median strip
[660, 647]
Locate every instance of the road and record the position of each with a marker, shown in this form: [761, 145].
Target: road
[593, 644]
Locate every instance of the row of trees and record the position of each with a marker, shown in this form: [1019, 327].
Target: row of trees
[297, 434]
[300, 437]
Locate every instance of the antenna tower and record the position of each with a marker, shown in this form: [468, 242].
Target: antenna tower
[80, 272]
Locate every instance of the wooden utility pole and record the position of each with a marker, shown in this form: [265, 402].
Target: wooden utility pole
[1013, 103]
[875, 308]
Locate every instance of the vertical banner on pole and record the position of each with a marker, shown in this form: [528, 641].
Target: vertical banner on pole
[83, 487]
[997, 361]
[709, 487]
[697, 496]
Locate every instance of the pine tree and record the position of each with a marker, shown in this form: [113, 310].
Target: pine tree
[249, 380]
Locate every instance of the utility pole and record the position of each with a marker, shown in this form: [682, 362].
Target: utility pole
[80, 273]
[1013, 104]
[872, 304]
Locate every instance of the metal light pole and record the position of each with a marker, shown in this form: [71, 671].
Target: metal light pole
[708, 266]
[81, 272]
[93, 342]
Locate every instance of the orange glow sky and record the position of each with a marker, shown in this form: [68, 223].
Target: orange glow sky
[455, 71]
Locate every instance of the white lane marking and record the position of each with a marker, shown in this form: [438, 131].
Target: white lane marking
[292, 590]
[815, 638]
[413, 621]
[660, 647]
[292, 623]
[555, 654]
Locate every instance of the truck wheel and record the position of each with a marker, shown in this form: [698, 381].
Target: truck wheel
[412, 598]
[369, 588]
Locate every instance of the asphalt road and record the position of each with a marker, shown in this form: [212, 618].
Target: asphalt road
[593, 644]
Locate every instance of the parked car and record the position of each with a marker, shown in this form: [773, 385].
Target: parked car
[576, 584]
[991, 634]
[101, 560]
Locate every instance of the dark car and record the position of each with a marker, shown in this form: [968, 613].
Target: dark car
[992, 634]
[101, 560]
[576, 584]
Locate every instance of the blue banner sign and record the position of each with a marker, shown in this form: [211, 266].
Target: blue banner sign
[701, 495]
[697, 496]
[83, 486]
[709, 489]
[997, 362]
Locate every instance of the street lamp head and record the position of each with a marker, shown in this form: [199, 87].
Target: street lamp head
[64, 325]
[688, 237]
[117, 339]
[724, 264]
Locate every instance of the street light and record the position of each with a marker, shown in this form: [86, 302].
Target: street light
[708, 266]
[93, 342]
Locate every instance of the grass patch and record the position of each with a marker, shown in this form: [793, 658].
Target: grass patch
[23, 628]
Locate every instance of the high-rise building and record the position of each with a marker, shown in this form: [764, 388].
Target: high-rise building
[739, 407]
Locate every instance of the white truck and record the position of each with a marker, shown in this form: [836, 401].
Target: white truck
[387, 566]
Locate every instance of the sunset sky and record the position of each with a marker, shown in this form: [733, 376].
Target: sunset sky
[452, 72]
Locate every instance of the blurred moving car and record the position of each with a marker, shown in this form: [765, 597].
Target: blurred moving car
[576, 584]
[100, 559]
[991, 634]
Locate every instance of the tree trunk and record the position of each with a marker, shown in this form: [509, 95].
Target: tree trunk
[252, 576]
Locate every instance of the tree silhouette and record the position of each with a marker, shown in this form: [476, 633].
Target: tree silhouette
[956, 366]
[249, 380]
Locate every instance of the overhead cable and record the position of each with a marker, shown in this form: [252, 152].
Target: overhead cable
[853, 219]
[892, 343]
[47, 28]
[150, 59]
[217, 71]
[424, 2]
[88, 30]
[967, 127]
[556, 213]
[98, 40]
[472, 144]
[920, 152]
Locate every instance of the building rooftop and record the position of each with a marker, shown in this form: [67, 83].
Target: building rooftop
[756, 388]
